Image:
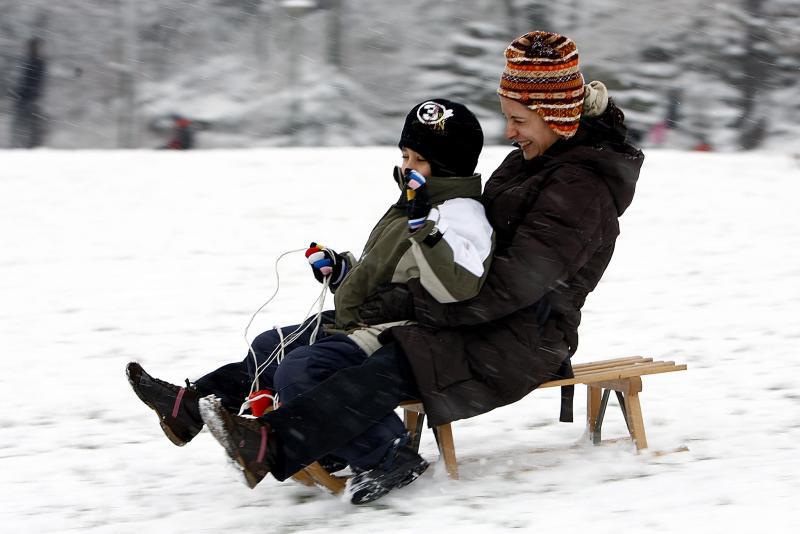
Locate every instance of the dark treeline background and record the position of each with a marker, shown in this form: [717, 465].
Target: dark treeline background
[344, 72]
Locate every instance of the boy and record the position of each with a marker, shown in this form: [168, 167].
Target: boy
[437, 232]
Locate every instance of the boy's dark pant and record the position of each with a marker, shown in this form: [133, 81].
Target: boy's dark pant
[334, 399]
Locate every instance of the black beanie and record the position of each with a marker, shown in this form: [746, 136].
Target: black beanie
[446, 134]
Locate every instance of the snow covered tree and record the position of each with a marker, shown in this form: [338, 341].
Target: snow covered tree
[731, 68]
[467, 69]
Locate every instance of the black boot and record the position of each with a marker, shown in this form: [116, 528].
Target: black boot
[248, 442]
[400, 467]
[176, 407]
[332, 463]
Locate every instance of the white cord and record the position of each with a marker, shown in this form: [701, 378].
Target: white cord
[283, 347]
[297, 333]
[280, 351]
[284, 342]
[250, 401]
[319, 310]
[274, 293]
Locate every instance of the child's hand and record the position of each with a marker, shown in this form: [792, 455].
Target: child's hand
[326, 262]
[419, 204]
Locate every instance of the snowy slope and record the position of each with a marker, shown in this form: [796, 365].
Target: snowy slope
[107, 257]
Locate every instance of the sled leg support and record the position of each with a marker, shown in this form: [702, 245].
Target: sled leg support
[627, 392]
[414, 415]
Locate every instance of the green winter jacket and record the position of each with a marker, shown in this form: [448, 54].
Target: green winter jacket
[450, 254]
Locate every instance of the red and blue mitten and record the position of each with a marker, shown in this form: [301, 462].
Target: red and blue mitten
[419, 204]
[326, 262]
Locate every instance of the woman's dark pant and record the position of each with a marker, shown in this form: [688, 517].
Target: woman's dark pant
[349, 414]
[334, 399]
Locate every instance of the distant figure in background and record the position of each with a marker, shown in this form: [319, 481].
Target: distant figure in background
[182, 134]
[658, 132]
[26, 128]
[702, 145]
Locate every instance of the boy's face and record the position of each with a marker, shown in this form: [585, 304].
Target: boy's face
[413, 160]
[526, 128]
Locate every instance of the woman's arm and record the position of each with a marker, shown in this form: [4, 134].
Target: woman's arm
[558, 235]
[453, 251]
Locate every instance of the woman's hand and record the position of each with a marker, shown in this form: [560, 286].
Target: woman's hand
[389, 303]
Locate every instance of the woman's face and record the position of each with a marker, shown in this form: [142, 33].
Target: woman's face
[526, 128]
[414, 160]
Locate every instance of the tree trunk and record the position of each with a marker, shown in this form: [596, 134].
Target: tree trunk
[335, 33]
[512, 20]
[536, 16]
[261, 19]
[127, 128]
[754, 72]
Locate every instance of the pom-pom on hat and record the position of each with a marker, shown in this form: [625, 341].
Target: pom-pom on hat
[542, 74]
[446, 134]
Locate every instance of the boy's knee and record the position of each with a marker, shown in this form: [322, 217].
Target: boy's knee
[265, 342]
[288, 371]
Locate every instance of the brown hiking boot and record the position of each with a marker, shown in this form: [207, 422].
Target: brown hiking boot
[178, 413]
[248, 442]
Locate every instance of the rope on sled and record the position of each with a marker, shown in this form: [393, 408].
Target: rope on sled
[280, 351]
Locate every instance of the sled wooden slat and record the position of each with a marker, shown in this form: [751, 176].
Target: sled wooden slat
[608, 363]
[413, 406]
[621, 375]
[622, 372]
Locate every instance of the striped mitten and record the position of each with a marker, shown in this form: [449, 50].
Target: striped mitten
[326, 262]
[419, 204]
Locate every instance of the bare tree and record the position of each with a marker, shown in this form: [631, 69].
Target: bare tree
[127, 119]
[335, 23]
[535, 15]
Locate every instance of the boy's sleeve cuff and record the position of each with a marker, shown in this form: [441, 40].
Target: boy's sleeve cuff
[431, 232]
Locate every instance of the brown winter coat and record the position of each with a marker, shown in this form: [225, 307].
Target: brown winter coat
[556, 222]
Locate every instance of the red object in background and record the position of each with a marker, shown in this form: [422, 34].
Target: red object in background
[702, 147]
[259, 406]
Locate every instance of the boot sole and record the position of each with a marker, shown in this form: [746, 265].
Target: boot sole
[218, 423]
[134, 382]
[386, 485]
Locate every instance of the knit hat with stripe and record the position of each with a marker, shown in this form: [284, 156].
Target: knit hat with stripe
[542, 73]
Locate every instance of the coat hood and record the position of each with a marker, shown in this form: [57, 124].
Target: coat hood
[441, 188]
[601, 145]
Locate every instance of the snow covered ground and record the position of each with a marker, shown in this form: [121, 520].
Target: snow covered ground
[161, 257]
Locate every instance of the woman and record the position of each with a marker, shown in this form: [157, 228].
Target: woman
[554, 204]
